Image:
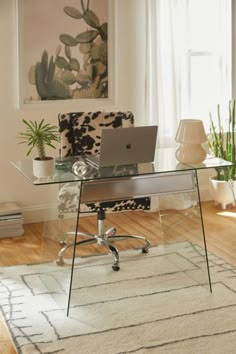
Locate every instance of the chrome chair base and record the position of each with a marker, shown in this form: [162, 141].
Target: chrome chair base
[103, 238]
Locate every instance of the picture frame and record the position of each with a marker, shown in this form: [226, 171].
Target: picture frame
[65, 52]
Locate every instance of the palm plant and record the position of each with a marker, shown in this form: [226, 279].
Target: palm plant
[222, 143]
[39, 135]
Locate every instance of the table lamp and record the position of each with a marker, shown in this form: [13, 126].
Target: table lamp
[190, 135]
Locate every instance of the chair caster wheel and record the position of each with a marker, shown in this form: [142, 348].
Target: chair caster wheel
[145, 249]
[60, 262]
[63, 243]
[115, 268]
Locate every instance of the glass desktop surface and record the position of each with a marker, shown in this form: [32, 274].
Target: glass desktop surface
[164, 162]
[58, 280]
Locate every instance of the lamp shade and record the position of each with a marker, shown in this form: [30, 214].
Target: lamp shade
[190, 135]
[190, 131]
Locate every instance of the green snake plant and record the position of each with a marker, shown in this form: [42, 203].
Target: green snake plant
[222, 142]
[39, 135]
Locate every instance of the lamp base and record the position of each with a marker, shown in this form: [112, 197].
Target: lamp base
[190, 153]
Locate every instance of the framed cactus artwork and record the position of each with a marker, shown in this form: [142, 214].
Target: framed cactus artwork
[65, 50]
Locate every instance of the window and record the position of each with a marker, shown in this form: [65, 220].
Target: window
[189, 55]
[206, 60]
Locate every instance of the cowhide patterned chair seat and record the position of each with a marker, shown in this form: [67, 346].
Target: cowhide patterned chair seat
[80, 136]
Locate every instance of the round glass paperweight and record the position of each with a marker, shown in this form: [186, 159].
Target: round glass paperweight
[80, 168]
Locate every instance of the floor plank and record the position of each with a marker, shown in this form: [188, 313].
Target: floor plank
[32, 247]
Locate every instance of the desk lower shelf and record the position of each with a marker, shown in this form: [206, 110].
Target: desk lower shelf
[135, 187]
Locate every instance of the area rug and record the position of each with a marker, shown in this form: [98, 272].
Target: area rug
[157, 303]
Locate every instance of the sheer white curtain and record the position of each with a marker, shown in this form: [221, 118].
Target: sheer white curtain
[188, 61]
[165, 32]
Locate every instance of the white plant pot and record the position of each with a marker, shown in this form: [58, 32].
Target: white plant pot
[222, 192]
[43, 168]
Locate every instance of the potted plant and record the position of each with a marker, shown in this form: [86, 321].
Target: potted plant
[221, 142]
[39, 135]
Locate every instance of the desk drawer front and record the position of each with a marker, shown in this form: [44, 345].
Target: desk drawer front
[128, 188]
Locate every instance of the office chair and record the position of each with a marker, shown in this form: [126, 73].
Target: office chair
[80, 134]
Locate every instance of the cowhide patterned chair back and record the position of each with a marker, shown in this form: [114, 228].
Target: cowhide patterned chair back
[80, 134]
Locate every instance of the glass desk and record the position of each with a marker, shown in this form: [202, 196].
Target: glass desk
[114, 183]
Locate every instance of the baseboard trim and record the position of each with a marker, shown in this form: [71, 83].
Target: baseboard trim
[205, 194]
[39, 213]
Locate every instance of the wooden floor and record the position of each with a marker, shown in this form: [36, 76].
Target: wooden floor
[40, 241]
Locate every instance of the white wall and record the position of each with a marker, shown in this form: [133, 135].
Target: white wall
[129, 81]
[129, 94]
[234, 48]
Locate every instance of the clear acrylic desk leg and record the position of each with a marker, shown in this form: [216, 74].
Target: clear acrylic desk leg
[181, 220]
[203, 230]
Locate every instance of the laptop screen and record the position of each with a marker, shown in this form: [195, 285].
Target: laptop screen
[126, 146]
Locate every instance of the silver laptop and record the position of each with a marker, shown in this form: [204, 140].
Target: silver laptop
[125, 146]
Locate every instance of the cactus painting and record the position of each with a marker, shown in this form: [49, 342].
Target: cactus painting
[74, 65]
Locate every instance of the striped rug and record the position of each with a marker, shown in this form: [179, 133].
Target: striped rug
[157, 303]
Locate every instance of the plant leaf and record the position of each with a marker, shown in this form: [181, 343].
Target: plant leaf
[87, 36]
[68, 40]
[68, 51]
[73, 12]
[74, 64]
[60, 62]
[38, 135]
[91, 19]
